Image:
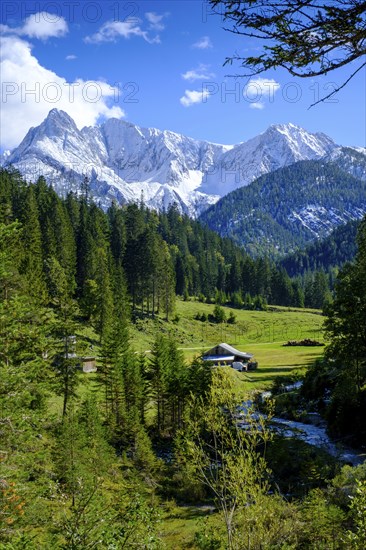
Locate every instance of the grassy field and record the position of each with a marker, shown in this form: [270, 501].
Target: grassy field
[180, 524]
[262, 333]
[275, 325]
[274, 360]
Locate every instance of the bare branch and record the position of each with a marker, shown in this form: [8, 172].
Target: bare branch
[337, 89]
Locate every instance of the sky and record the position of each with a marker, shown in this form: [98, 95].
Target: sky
[156, 64]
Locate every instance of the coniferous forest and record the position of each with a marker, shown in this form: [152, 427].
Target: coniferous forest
[282, 211]
[105, 459]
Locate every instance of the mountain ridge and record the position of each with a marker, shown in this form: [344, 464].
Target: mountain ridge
[124, 161]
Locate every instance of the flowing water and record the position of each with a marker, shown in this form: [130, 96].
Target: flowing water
[317, 436]
[310, 433]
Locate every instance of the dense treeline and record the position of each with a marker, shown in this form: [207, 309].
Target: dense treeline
[326, 254]
[133, 251]
[338, 383]
[98, 253]
[78, 467]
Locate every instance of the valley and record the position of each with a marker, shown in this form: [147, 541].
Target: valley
[154, 441]
[183, 275]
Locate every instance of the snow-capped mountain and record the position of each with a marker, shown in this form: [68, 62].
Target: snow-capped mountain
[124, 161]
[281, 145]
[121, 160]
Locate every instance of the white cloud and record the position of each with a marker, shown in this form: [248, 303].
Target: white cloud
[258, 90]
[203, 43]
[70, 57]
[41, 25]
[155, 20]
[193, 96]
[257, 105]
[30, 91]
[110, 31]
[200, 73]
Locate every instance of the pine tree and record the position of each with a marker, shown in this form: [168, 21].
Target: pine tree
[25, 383]
[65, 357]
[282, 291]
[84, 245]
[298, 294]
[346, 330]
[103, 306]
[133, 261]
[114, 351]
[84, 460]
[57, 232]
[176, 386]
[117, 232]
[110, 375]
[159, 371]
[32, 256]
[235, 276]
[166, 281]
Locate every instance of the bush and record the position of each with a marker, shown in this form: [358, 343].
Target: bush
[200, 317]
[219, 314]
[220, 297]
[232, 318]
[236, 300]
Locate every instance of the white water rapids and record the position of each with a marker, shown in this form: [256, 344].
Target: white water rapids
[309, 433]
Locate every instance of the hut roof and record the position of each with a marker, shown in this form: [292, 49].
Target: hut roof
[229, 352]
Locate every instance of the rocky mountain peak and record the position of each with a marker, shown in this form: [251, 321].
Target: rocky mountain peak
[124, 160]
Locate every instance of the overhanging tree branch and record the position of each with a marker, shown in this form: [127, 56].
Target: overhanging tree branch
[307, 38]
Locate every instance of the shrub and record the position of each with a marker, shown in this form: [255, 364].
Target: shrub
[219, 314]
[232, 318]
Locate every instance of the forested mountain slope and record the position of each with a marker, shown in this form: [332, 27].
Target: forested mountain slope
[333, 251]
[288, 208]
[149, 257]
[95, 460]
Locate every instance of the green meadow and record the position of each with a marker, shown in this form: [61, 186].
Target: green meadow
[262, 333]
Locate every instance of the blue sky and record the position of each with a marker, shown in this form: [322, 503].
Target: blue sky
[156, 64]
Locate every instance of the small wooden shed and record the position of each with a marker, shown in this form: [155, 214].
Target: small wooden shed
[88, 364]
[223, 354]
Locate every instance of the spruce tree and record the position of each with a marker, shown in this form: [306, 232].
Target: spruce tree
[166, 281]
[32, 255]
[346, 330]
[65, 357]
[159, 372]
